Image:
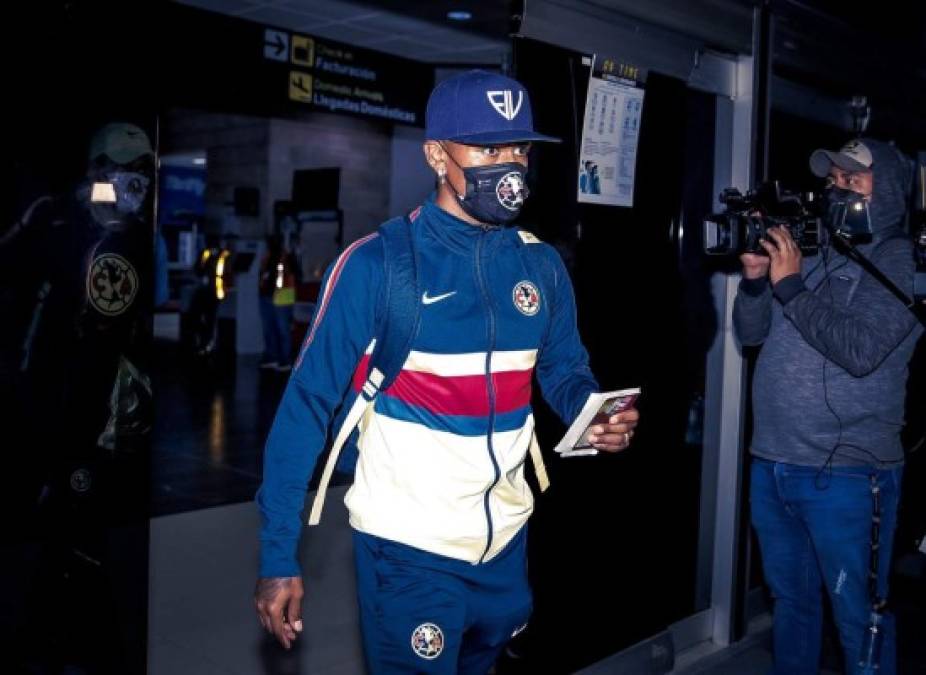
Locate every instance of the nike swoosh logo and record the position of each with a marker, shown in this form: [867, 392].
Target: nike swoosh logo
[425, 300]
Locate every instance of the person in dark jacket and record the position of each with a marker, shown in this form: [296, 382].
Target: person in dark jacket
[828, 402]
[81, 262]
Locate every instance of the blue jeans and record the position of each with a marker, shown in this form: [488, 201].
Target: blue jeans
[814, 531]
[284, 321]
[271, 338]
[277, 323]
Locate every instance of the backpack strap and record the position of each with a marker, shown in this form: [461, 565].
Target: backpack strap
[403, 309]
[361, 406]
[395, 334]
[540, 469]
[538, 266]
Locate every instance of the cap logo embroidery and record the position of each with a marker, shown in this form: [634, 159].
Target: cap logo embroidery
[857, 151]
[502, 102]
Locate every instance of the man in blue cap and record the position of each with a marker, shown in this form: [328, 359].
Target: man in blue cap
[439, 501]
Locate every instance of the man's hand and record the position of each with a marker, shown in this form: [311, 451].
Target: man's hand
[616, 434]
[279, 606]
[755, 266]
[784, 254]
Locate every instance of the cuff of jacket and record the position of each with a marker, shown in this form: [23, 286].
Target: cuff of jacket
[789, 288]
[278, 558]
[754, 287]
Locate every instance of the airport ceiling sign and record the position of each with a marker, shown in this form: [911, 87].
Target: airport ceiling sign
[335, 77]
[227, 64]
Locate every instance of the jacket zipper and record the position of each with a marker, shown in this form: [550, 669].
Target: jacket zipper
[491, 391]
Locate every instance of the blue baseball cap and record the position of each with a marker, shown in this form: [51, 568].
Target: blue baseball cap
[479, 107]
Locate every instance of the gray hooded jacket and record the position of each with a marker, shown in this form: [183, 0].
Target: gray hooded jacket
[831, 376]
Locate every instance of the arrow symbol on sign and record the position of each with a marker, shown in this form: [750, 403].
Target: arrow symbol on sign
[276, 45]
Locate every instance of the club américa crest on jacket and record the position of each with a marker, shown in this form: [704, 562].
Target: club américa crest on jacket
[526, 298]
[112, 284]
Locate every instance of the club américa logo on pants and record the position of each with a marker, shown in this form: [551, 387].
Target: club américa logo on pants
[428, 641]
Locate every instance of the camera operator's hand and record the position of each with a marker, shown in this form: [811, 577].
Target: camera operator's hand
[278, 601]
[755, 266]
[784, 254]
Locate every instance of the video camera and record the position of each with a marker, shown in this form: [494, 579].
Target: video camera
[747, 218]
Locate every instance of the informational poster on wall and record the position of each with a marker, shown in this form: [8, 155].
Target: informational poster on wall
[610, 133]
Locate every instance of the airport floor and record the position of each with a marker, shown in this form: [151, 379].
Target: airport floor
[212, 419]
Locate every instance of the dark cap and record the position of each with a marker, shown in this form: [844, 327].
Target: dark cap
[479, 107]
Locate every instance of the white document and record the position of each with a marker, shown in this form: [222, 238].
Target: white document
[597, 410]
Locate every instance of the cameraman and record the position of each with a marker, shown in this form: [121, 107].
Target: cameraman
[828, 401]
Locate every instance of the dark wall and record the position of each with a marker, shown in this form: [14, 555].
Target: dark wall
[613, 542]
[75, 560]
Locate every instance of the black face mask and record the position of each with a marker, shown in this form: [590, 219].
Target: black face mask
[848, 215]
[494, 194]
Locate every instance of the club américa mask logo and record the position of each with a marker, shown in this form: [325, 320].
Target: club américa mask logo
[428, 641]
[510, 191]
[526, 298]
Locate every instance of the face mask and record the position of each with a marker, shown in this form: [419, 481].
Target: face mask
[495, 193]
[131, 190]
[117, 197]
[847, 214]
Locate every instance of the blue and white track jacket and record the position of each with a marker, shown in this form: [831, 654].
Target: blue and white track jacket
[442, 453]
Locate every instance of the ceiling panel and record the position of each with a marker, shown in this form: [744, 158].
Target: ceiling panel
[421, 35]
